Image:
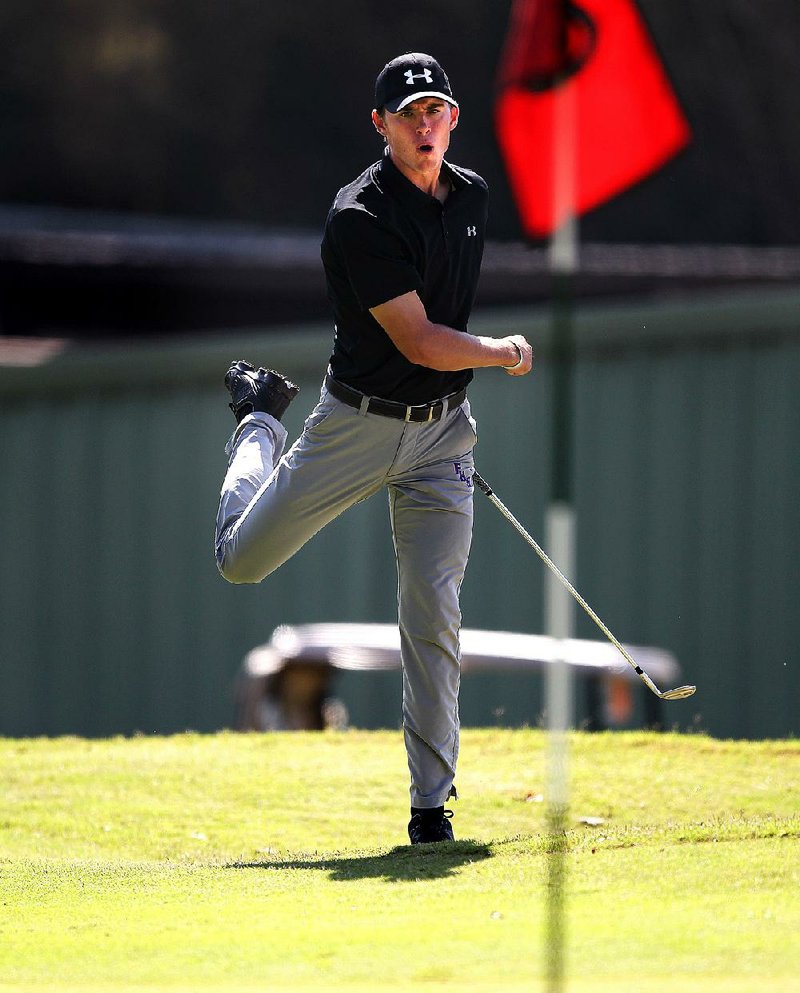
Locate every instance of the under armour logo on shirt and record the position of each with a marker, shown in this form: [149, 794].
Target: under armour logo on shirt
[472, 231]
[411, 76]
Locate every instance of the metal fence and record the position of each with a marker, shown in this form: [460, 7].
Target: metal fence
[113, 618]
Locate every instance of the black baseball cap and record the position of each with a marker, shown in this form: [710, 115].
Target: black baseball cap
[409, 77]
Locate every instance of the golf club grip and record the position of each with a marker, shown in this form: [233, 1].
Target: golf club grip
[481, 483]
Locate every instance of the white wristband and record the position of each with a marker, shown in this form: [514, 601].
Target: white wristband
[511, 368]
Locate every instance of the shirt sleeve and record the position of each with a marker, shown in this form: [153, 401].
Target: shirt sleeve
[376, 261]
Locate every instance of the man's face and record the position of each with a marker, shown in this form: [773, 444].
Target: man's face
[419, 135]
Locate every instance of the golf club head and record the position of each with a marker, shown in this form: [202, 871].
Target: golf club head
[679, 693]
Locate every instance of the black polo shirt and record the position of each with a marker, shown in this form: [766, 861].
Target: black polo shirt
[385, 237]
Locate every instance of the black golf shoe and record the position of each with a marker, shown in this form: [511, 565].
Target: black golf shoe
[258, 389]
[426, 826]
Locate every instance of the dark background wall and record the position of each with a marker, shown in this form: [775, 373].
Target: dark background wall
[167, 165]
[258, 111]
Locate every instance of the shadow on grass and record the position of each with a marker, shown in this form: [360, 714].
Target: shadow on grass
[406, 862]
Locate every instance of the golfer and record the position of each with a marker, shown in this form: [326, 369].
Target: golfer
[402, 252]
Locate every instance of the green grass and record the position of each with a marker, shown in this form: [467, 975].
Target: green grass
[278, 862]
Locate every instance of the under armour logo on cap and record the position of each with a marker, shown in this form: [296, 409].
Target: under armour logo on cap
[409, 77]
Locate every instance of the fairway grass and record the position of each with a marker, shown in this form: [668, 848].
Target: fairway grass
[279, 862]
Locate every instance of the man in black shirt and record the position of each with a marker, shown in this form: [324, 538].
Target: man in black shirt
[402, 251]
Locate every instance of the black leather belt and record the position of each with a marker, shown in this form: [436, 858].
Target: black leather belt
[418, 413]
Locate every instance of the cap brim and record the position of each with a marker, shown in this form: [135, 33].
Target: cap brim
[393, 106]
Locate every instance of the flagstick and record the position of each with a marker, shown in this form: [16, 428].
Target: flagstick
[560, 533]
[558, 702]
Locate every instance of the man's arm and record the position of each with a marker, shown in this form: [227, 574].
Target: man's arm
[439, 347]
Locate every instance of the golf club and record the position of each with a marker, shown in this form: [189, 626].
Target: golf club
[679, 693]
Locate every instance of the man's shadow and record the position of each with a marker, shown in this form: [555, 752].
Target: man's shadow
[403, 863]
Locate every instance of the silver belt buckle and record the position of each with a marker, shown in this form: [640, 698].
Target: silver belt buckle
[431, 406]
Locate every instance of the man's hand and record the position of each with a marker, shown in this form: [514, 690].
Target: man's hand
[524, 356]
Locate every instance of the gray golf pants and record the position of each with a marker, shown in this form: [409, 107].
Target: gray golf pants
[271, 505]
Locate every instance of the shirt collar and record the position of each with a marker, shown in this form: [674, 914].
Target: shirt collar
[399, 186]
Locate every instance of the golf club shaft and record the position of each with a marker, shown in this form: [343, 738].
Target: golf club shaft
[484, 486]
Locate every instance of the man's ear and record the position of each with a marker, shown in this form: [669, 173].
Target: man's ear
[454, 111]
[377, 121]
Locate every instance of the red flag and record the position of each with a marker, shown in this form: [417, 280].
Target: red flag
[627, 120]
